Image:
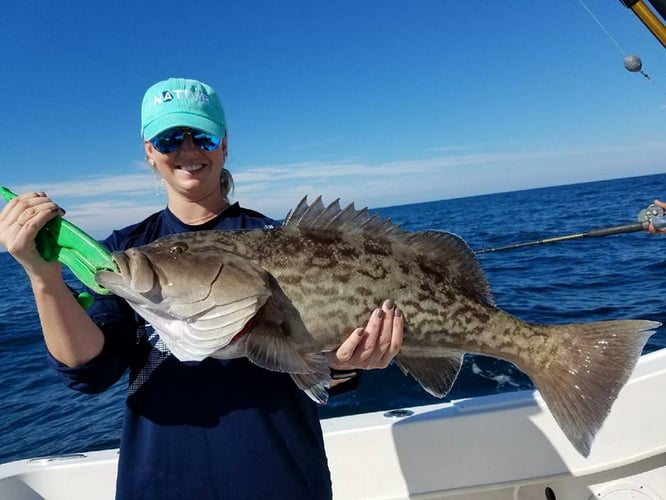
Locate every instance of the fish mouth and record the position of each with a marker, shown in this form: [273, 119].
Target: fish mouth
[135, 272]
[109, 279]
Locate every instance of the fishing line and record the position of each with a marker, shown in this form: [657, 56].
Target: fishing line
[619, 47]
[603, 28]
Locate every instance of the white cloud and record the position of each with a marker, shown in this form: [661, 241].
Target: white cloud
[143, 183]
[99, 219]
[100, 204]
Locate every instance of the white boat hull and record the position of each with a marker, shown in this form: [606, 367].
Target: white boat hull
[504, 446]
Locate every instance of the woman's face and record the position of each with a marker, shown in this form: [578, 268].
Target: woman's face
[189, 171]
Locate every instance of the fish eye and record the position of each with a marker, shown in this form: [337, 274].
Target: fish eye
[177, 248]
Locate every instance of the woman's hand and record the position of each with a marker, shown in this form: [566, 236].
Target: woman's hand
[20, 221]
[373, 346]
[651, 228]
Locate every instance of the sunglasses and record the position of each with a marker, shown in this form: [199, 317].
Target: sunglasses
[171, 139]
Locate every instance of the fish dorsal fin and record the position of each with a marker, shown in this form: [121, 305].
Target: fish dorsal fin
[440, 249]
[319, 217]
[303, 211]
[452, 251]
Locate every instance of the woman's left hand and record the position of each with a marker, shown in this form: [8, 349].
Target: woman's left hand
[373, 346]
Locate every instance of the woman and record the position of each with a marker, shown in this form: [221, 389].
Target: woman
[210, 429]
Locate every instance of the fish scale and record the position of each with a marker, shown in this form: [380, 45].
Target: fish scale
[299, 290]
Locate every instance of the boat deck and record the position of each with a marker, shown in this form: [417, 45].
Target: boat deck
[504, 446]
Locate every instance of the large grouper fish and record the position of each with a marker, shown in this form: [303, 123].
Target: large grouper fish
[282, 297]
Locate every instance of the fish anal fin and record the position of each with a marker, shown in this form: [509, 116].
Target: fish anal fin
[435, 375]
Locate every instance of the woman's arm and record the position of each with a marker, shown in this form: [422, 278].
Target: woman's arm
[70, 335]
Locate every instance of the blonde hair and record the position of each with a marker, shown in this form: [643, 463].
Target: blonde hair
[226, 184]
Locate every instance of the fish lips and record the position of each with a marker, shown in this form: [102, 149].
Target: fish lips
[135, 273]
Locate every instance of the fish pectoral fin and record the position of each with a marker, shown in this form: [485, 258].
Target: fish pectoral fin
[268, 347]
[435, 375]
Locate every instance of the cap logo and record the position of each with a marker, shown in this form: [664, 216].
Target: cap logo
[180, 94]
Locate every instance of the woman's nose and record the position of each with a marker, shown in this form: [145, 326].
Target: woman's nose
[188, 144]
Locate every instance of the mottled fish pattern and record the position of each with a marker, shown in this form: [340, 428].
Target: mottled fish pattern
[281, 297]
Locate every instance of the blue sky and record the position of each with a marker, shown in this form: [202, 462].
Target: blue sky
[377, 102]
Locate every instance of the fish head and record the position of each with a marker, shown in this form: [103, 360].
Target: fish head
[162, 272]
[192, 288]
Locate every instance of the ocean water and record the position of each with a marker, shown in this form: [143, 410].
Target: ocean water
[613, 277]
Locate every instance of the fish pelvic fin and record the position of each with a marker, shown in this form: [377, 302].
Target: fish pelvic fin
[435, 375]
[272, 351]
[317, 383]
[268, 348]
[281, 342]
[582, 381]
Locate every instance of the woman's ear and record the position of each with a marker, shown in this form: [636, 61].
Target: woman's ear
[148, 148]
[224, 147]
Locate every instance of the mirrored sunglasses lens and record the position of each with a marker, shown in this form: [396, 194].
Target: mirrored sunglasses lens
[205, 141]
[168, 141]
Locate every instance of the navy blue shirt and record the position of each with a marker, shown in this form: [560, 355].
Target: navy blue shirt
[214, 429]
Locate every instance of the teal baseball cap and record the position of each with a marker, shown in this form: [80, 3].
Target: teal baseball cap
[179, 102]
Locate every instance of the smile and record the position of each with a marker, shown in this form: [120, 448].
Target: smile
[191, 168]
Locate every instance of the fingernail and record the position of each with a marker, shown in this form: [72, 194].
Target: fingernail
[398, 313]
[359, 332]
[379, 313]
[388, 304]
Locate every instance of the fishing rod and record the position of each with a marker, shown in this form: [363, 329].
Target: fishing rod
[648, 18]
[653, 214]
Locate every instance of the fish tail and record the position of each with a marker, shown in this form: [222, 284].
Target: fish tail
[582, 380]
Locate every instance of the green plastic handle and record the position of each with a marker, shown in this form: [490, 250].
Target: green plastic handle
[60, 240]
